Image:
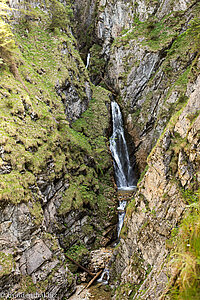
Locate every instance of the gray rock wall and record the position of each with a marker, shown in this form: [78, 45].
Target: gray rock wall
[51, 194]
[32, 254]
[159, 206]
[139, 40]
[150, 61]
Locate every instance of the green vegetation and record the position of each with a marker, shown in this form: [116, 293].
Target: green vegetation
[179, 66]
[7, 44]
[126, 291]
[194, 32]
[129, 289]
[97, 62]
[37, 141]
[90, 185]
[77, 252]
[37, 212]
[142, 174]
[35, 135]
[39, 145]
[27, 286]
[59, 14]
[185, 257]
[156, 34]
[6, 263]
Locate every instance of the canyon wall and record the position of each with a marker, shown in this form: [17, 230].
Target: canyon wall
[149, 58]
[172, 176]
[152, 65]
[56, 176]
[55, 167]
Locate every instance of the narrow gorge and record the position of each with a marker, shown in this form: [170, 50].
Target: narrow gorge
[100, 149]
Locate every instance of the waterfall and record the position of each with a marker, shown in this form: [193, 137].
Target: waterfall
[124, 173]
[88, 60]
[121, 215]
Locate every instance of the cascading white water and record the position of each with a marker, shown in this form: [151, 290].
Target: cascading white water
[104, 276]
[121, 215]
[123, 170]
[88, 60]
[124, 173]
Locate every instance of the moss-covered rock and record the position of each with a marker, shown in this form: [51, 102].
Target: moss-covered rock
[52, 164]
[6, 263]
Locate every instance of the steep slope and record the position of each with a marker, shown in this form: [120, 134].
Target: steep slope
[145, 51]
[171, 182]
[55, 176]
[148, 53]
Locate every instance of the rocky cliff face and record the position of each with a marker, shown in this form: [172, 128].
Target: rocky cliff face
[159, 204]
[152, 64]
[56, 171]
[149, 58]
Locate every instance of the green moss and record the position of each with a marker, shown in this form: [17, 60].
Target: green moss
[27, 285]
[36, 139]
[130, 208]
[59, 14]
[76, 195]
[176, 145]
[91, 185]
[128, 290]
[37, 212]
[14, 187]
[160, 35]
[6, 263]
[52, 241]
[156, 34]
[33, 128]
[125, 291]
[97, 62]
[124, 231]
